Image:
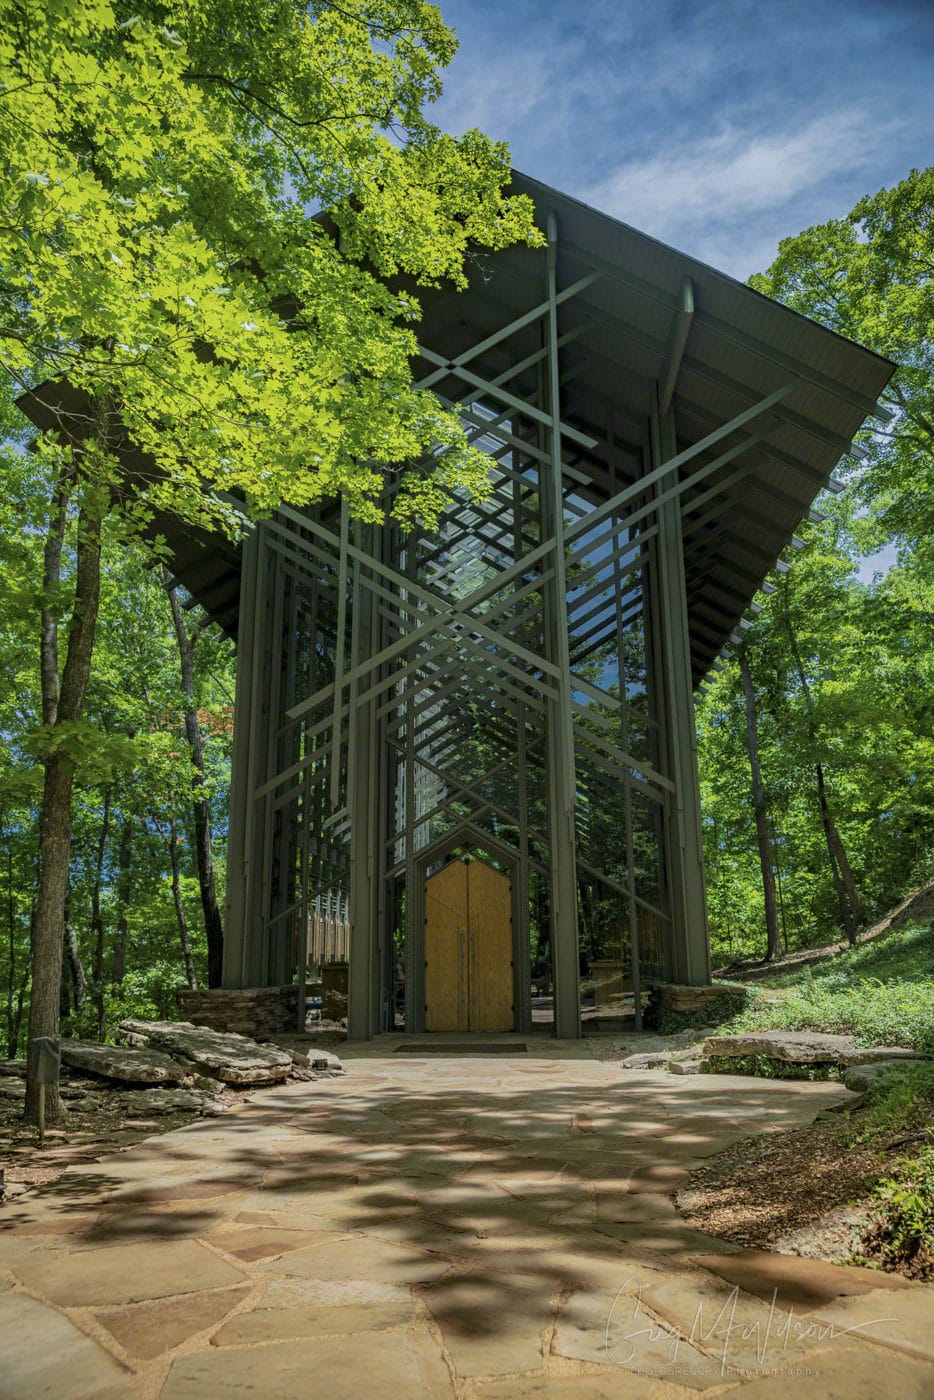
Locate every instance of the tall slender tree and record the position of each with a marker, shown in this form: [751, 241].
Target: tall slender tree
[763, 836]
[200, 804]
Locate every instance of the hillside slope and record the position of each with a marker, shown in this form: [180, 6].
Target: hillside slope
[916, 908]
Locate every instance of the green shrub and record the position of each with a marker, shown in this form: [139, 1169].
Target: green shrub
[715, 1013]
[880, 992]
[901, 1233]
[901, 1101]
[872, 1011]
[765, 1067]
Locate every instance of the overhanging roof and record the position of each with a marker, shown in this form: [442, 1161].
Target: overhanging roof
[652, 316]
[655, 316]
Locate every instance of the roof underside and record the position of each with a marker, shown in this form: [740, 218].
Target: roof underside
[630, 330]
[622, 336]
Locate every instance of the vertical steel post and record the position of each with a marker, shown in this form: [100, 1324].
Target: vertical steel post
[683, 838]
[562, 777]
[338, 716]
[632, 911]
[361, 771]
[255, 636]
[277, 968]
[386, 542]
[235, 928]
[522, 972]
[414, 920]
[375, 839]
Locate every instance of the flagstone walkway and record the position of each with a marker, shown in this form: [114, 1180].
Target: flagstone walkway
[491, 1225]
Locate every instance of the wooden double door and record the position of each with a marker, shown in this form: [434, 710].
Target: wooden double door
[468, 949]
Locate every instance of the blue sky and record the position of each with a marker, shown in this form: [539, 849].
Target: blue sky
[719, 126]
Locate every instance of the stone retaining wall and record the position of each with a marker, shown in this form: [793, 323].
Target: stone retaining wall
[259, 1012]
[699, 1006]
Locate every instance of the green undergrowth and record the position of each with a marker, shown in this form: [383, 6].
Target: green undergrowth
[764, 1067]
[905, 953]
[901, 1103]
[900, 1234]
[899, 1111]
[880, 993]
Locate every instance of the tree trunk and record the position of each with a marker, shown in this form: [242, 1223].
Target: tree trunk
[63, 706]
[124, 891]
[51, 581]
[213, 924]
[12, 1020]
[773, 944]
[64, 991]
[778, 888]
[852, 910]
[97, 920]
[79, 982]
[180, 908]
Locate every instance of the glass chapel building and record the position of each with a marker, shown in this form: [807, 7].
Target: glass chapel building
[465, 761]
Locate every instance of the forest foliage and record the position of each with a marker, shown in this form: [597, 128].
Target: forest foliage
[842, 664]
[161, 255]
[133, 782]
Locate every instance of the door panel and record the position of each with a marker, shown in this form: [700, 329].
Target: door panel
[468, 949]
[446, 949]
[489, 904]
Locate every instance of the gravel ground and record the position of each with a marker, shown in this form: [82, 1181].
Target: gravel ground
[617, 1045]
[807, 1191]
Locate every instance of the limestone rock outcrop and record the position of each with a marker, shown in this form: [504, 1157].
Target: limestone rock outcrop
[223, 1055]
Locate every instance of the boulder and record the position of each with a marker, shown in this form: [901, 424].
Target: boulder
[13, 1069]
[72, 1089]
[685, 1066]
[145, 1101]
[127, 1065]
[649, 1059]
[234, 1059]
[130, 1039]
[324, 1060]
[800, 1048]
[205, 1083]
[859, 1078]
[881, 1054]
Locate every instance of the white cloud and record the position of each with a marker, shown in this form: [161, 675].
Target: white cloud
[728, 197]
[508, 93]
[720, 126]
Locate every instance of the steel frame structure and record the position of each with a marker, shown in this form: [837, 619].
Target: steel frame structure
[517, 684]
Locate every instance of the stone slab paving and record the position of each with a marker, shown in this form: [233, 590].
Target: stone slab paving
[466, 1226]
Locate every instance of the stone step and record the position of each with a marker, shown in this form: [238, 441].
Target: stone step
[802, 1048]
[124, 1063]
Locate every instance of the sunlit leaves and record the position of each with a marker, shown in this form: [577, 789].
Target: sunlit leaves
[870, 276]
[157, 250]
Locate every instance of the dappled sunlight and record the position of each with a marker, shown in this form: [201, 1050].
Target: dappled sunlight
[503, 1203]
